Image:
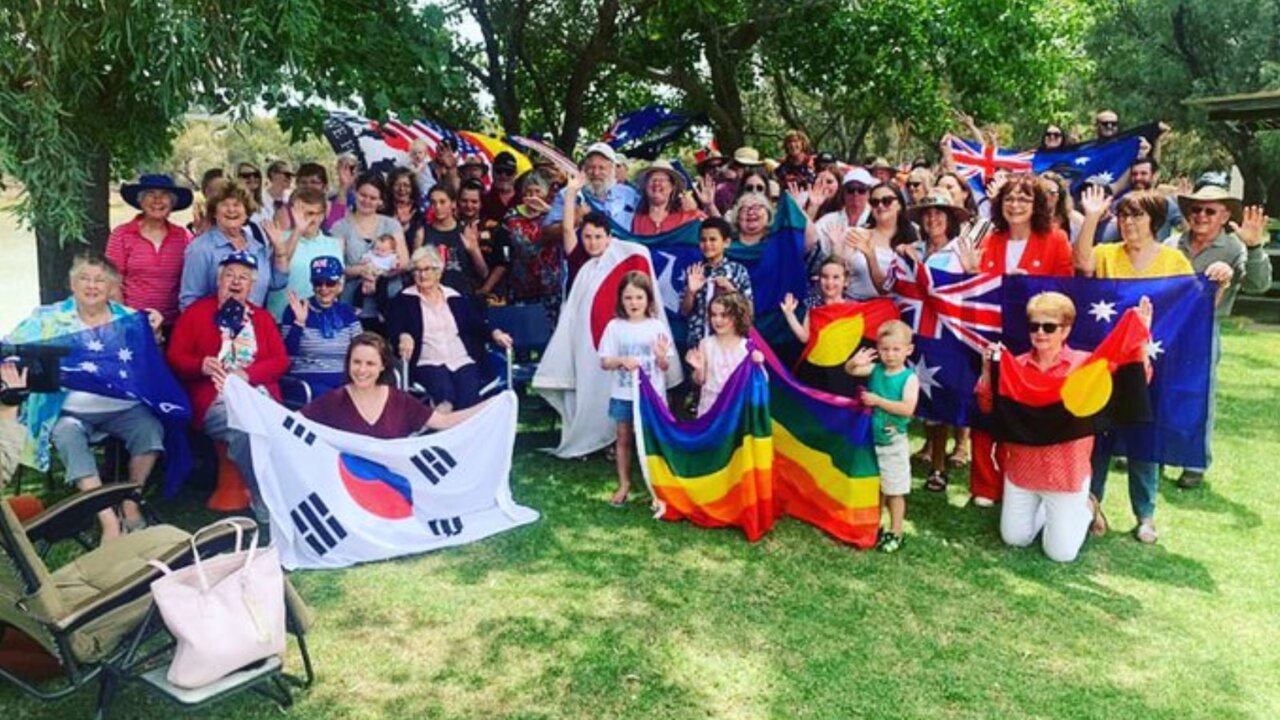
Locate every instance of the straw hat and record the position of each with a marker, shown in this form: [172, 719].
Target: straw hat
[677, 180]
[1212, 193]
[747, 156]
[937, 200]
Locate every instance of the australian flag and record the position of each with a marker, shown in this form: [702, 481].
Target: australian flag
[643, 134]
[121, 360]
[1181, 337]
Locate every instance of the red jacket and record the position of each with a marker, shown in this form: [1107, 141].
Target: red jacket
[1046, 254]
[196, 337]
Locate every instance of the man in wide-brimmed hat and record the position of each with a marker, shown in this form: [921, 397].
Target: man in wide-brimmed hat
[662, 200]
[1236, 258]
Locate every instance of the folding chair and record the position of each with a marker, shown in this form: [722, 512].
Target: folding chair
[530, 332]
[95, 615]
[295, 392]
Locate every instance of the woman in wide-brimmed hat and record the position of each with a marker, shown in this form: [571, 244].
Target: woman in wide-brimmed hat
[147, 251]
[663, 203]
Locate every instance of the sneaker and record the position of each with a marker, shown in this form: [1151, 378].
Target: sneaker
[1191, 479]
[937, 482]
[983, 502]
[890, 543]
[1146, 533]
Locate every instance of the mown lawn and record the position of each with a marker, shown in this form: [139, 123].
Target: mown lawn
[600, 613]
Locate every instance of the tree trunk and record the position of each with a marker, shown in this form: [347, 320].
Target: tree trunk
[54, 253]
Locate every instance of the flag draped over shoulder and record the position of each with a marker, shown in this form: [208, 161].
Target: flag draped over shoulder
[824, 458]
[715, 471]
[569, 375]
[120, 360]
[1181, 338]
[337, 498]
[1109, 389]
[835, 332]
[769, 446]
[776, 265]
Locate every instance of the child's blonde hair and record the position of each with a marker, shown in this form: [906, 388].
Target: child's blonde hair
[894, 330]
[735, 305]
[635, 278]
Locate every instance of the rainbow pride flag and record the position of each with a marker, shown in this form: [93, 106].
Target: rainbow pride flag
[824, 457]
[769, 446]
[716, 471]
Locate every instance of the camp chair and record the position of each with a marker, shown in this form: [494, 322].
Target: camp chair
[530, 332]
[295, 392]
[94, 614]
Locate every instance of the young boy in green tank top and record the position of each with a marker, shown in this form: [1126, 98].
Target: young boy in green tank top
[892, 392]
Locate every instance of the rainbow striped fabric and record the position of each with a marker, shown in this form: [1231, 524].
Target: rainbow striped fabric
[768, 447]
[716, 471]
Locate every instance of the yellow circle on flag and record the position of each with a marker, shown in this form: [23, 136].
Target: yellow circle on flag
[1087, 390]
[836, 342]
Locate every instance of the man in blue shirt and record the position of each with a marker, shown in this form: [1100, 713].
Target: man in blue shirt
[602, 192]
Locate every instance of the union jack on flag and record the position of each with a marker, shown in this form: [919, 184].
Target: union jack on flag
[978, 162]
[932, 301]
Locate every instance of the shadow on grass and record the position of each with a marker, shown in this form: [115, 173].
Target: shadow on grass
[1204, 499]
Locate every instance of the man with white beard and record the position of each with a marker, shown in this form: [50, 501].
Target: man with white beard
[601, 191]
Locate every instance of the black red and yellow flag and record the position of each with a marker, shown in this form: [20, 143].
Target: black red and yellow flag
[835, 332]
[1107, 390]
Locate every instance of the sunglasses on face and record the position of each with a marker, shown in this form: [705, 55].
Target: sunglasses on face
[884, 202]
[1052, 134]
[505, 172]
[753, 188]
[859, 189]
[1204, 210]
[1048, 328]
[325, 283]
[913, 184]
[1108, 123]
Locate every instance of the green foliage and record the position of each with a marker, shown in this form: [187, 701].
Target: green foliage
[205, 144]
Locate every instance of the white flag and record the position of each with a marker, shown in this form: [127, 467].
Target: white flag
[337, 498]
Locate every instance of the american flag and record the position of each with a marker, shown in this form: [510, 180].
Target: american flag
[931, 301]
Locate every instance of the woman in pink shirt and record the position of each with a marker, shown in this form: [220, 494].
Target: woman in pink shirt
[148, 249]
[663, 204]
[1047, 487]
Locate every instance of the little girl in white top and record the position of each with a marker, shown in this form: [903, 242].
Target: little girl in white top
[720, 353]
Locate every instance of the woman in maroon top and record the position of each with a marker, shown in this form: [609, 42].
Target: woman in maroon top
[369, 405]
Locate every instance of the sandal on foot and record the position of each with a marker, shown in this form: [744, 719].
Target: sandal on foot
[1146, 533]
[890, 543]
[618, 502]
[937, 482]
[959, 459]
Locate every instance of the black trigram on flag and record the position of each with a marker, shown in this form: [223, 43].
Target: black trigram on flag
[434, 463]
[447, 527]
[318, 527]
[299, 430]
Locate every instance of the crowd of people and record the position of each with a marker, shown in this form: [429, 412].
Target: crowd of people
[322, 288]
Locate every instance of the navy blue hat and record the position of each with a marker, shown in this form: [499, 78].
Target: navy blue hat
[131, 192]
[326, 267]
[240, 258]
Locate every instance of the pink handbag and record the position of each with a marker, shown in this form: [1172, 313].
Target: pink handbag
[226, 612]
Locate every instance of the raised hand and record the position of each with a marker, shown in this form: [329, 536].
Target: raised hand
[819, 195]
[471, 237]
[576, 182]
[789, 304]
[793, 189]
[1252, 231]
[993, 187]
[537, 204]
[864, 356]
[968, 254]
[688, 203]
[858, 239]
[1093, 201]
[695, 278]
[706, 187]
[300, 309]
[275, 235]
[662, 347]
[1183, 186]
[346, 178]
[11, 378]
[695, 359]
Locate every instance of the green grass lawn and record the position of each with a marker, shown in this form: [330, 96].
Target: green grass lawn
[600, 613]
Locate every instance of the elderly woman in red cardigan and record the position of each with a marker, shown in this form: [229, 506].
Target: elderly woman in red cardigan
[1025, 241]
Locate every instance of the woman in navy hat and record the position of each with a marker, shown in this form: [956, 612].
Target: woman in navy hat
[147, 251]
[318, 330]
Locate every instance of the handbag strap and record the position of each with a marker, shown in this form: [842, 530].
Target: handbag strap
[162, 567]
[238, 524]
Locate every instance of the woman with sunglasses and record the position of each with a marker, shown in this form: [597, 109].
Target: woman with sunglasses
[1139, 216]
[1045, 489]
[1065, 216]
[317, 330]
[1024, 242]
[869, 250]
[1052, 138]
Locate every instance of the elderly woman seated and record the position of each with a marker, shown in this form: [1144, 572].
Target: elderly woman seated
[366, 404]
[441, 334]
[318, 330]
[73, 419]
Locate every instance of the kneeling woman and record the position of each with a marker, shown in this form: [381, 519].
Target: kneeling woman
[368, 405]
[1047, 487]
[441, 334]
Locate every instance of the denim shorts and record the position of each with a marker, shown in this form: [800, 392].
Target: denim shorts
[620, 410]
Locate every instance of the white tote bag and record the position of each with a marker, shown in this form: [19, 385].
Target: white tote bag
[225, 612]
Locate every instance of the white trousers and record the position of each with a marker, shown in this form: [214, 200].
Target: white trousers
[1064, 517]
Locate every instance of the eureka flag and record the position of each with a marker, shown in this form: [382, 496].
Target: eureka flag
[338, 498]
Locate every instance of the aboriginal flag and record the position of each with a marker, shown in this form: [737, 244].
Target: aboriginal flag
[836, 331]
[1107, 390]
